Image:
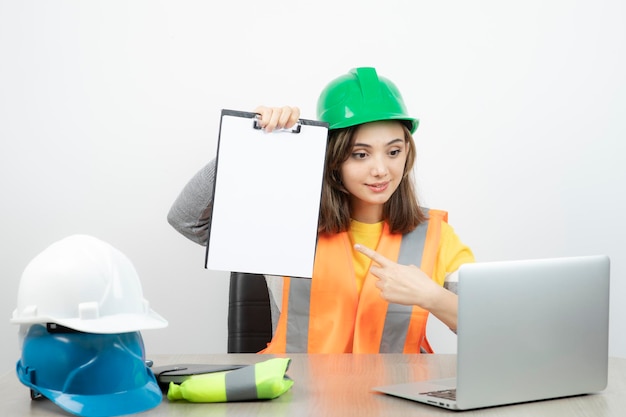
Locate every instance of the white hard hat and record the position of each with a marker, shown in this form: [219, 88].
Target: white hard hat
[85, 284]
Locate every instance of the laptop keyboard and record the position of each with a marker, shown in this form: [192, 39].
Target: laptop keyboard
[448, 394]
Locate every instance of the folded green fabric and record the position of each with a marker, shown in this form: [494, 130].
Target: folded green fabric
[263, 380]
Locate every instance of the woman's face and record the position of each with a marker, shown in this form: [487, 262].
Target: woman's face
[375, 168]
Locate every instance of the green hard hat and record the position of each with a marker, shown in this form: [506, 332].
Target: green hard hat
[361, 96]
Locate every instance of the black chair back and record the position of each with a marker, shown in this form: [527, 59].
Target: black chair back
[249, 314]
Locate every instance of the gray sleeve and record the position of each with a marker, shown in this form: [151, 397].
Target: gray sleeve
[191, 212]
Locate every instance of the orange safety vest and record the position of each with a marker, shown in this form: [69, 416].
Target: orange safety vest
[314, 320]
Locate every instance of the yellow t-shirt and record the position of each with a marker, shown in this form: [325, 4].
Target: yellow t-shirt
[367, 235]
[451, 255]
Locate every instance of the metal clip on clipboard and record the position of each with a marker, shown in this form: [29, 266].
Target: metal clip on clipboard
[295, 129]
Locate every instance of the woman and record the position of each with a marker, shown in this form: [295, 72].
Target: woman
[369, 212]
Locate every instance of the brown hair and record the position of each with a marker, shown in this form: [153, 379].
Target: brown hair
[402, 211]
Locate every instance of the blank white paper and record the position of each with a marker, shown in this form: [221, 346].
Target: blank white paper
[267, 197]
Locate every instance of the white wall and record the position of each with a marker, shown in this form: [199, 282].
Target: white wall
[108, 107]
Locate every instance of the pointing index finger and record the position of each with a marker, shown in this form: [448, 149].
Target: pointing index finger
[372, 254]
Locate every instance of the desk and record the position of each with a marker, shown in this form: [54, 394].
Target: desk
[339, 385]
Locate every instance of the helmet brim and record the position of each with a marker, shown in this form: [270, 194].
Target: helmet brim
[117, 323]
[354, 121]
[115, 404]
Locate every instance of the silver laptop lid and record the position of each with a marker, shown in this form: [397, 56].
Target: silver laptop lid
[532, 329]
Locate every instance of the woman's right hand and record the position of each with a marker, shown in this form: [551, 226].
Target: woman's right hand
[272, 118]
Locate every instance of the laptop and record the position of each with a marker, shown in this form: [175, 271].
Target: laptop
[528, 330]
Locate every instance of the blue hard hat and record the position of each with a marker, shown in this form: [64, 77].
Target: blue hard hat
[87, 374]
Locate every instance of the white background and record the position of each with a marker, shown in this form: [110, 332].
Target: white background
[107, 108]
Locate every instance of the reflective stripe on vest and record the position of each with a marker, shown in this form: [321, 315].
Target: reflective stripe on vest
[393, 327]
[241, 385]
[398, 315]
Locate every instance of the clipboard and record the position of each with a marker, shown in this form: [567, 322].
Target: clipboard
[266, 200]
